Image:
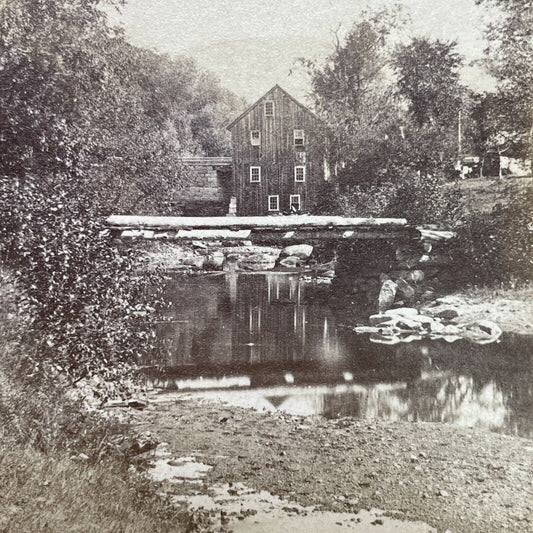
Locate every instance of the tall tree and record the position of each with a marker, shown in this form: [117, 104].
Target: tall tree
[428, 80]
[354, 94]
[509, 58]
[88, 125]
[428, 77]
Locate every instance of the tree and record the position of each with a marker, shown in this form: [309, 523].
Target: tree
[391, 148]
[428, 80]
[428, 77]
[354, 95]
[89, 125]
[509, 58]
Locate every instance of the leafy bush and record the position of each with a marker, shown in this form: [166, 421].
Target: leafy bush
[88, 307]
[425, 200]
[89, 125]
[419, 199]
[497, 247]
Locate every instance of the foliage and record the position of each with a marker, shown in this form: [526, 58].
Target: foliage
[75, 95]
[428, 77]
[89, 125]
[88, 309]
[418, 198]
[424, 199]
[354, 96]
[391, 122]
[509, 58]
[497, 247]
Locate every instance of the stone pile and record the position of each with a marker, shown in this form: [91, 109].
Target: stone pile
[406, 325]
[201, 256]
[389, 274]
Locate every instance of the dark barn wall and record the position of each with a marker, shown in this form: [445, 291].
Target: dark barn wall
[276, 155]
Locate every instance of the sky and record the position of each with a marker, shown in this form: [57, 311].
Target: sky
[251, 45]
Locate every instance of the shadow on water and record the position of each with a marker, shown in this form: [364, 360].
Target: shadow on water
[273, 342]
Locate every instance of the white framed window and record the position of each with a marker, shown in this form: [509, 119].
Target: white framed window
[255, 137]
[299, 173]
[273, 202]
[299, 138]
[269, 108]
[295, 202]
[255, 174]
[301, 156]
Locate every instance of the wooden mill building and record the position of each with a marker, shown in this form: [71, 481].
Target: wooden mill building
[276, 165]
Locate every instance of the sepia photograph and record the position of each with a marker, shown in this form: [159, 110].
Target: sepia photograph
[266, 266]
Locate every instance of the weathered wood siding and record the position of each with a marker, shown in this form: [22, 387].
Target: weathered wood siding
[276, 155]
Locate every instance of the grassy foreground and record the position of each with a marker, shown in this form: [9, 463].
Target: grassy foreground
[52, 492]
[59, 471]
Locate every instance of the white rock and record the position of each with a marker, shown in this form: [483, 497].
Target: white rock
[302, 251]
[290, 262]
[387, 294]
[402, 311]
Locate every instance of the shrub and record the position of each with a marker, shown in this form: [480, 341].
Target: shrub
[419, 199]
[89, 310]
[497, 247]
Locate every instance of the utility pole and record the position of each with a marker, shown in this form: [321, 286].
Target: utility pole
[459, 136]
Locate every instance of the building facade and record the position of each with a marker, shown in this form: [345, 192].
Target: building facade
[276, 165]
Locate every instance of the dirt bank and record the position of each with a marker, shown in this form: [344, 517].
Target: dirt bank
[455, 479]
[511, 309]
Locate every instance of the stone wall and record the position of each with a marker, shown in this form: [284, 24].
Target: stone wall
[208, 193]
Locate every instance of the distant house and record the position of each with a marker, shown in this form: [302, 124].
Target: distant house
[276, 166]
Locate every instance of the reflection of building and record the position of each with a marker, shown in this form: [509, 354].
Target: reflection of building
[246, 320]
[264, 332]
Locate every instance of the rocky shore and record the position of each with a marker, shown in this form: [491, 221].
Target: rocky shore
[429, 477]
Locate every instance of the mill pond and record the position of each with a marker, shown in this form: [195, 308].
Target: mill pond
[276, 342]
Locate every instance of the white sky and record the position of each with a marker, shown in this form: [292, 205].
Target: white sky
[253, 44]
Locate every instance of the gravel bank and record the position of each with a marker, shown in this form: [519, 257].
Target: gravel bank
[454, 479]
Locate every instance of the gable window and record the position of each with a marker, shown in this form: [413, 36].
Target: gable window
[299, 173]
[273, 203]
[255, 174]
[269, 109]
[255, 137]
[294, 202]
[299, 138]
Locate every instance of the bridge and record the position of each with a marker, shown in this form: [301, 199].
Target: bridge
[260, 229]
[386, 260]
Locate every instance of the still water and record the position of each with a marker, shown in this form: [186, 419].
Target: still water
[274, 342]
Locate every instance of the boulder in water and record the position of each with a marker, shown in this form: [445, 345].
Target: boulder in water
[387, 294]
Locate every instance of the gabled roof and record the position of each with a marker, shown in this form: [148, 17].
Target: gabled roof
[253, 106]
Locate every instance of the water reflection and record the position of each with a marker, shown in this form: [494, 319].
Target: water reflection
[272, 342]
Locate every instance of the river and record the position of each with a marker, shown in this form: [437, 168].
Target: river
[274, 342]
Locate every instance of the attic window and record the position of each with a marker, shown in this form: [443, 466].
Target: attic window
[299, 138]
[255, 137]
[269, 109]
[255, 174]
